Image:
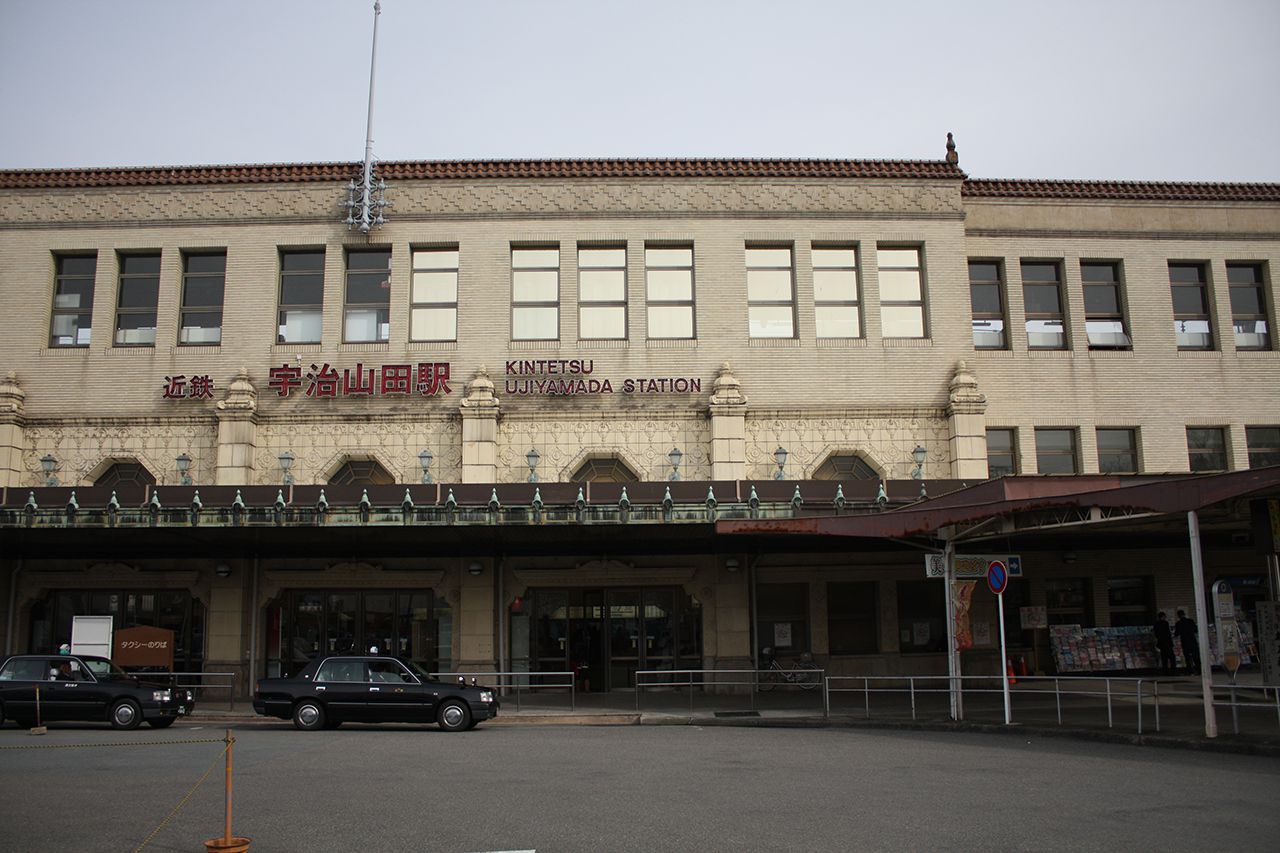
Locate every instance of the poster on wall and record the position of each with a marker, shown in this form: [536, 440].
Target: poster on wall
[1269, 640]
[982, 633]
[1034, 617]
[782, 635]
[920, 633]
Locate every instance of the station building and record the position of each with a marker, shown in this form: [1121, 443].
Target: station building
[573, 415]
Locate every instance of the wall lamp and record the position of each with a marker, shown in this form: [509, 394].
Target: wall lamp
[49, 464]
[531, 459]
[184, 468]
[780, 458]
[475, 570]
[223, 570]
[286, 462]
[918, 455]
[674, 458]
[424, 459]
[731, 564]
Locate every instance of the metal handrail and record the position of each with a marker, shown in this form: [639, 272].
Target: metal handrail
[569, 682]
[1235, 706]
[753, 682]
[230, 686]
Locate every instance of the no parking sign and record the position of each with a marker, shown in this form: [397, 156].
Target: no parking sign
[997, 576]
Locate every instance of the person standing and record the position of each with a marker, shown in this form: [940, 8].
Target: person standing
[1189, 637]
[1164, 643]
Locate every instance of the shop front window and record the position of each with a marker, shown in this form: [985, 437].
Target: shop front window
[922, 610]
[782, 611]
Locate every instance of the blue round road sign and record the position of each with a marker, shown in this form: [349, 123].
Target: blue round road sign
[997, 576]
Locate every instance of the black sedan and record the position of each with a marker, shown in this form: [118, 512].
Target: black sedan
[335, 690]
[84, 688]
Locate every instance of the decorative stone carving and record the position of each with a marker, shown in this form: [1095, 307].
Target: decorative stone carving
[884, 438]
[11, 397]
[82, 445]
[965, 396]
[480, 394]
[565, 442]
[727, 390]
[241, 396]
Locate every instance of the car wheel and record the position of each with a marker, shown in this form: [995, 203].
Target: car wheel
[471, 725]
[125, 714]
[308, 716]
[332, 724]
[454, 716]
[161, 722]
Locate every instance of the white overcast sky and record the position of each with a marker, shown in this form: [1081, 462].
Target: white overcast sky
[1110, 89]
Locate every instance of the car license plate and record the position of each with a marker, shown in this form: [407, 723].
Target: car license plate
[182, 709]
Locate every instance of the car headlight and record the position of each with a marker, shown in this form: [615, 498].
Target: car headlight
[161, 695]
[486, 696]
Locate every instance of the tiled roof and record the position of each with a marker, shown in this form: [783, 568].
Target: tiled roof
[290, 173]
[1139, 190]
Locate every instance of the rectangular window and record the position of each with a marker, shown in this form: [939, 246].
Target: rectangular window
[668, 275]
[986, 297]
[1264, 445]
[204, 278]
[602, 294]
[1042, 298]
[901, 293]
[433, 295]
[852, 624]
[535, 294]
[782, 614]
[836, 308]
[1069, 601]
[139, 294]
[72, 300]
[1249, 306]
[1056, 451]
[301, 297]
[368, 298]
[1117, 451]
[1131, 601]
[1002, 456]
[1192, 324]
[1207, 448]
[771, 293]
[922, 610]
[1103, 307]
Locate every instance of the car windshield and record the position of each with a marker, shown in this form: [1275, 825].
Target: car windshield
[105, 670]
[422, 674]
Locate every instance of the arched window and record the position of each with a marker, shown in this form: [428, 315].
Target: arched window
[361, 472]
[604, 470]
[845, 468]
[125, 474]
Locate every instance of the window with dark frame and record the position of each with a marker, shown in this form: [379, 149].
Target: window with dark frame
[1042, 299]
[837, 308]
[853, 626]
[922, 625]
[782, 618]
[535, 293]
[1192, 322]
[771, 292]
[72, 321]
[1104, 320]
[1056, 451]
[1117, 451]
[1249, 315]
[137, 300]
[986, 299]
[1264, 445]
[204, 278]
[1207, 448]
[433, 295]
[1069, 601]
[901, 292]
[1002, 453]
[367, 309]
[668, 273]
[1131, 601]
[845, 467]
[301, 318]
[602, 293]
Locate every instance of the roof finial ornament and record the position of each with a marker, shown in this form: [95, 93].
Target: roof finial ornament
[953, 159]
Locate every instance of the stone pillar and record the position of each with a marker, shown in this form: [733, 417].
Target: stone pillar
[13, 440]
[475, 623]
[967, 412]
[225, 649]
[728, 427]
[237, 433]
[480, 431]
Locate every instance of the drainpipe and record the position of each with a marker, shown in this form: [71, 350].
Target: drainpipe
[1202, 623]
[253, 630]
[502, 617]
[13, 607]
[755, 626]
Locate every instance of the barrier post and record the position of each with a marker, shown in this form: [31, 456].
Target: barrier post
[228, 843]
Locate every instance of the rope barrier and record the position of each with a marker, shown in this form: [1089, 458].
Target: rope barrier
[183, 801]
[123, 743]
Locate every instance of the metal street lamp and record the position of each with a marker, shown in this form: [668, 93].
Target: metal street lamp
[286, 462]
[424, 459]
[184, 466]
[531, 459]
[918, 455]
[780, 457]
[674, 458]
[49, 464]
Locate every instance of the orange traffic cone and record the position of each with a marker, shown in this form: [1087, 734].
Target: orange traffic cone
[1009, 673]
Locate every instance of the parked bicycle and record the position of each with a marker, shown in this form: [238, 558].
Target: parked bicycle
[803, 673]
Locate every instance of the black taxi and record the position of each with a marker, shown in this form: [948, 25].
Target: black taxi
[84, 688]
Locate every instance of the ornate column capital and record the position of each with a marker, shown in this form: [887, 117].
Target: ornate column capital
[241, 399]
[12, 398]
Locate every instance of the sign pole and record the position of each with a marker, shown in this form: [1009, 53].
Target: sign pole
[1206, 666]
[1004, 661]
[953, 663]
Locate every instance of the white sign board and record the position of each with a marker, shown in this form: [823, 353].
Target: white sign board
[1269, 640]
[782, 635]
[91, 635]
[971, 565]
[1034, 617]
